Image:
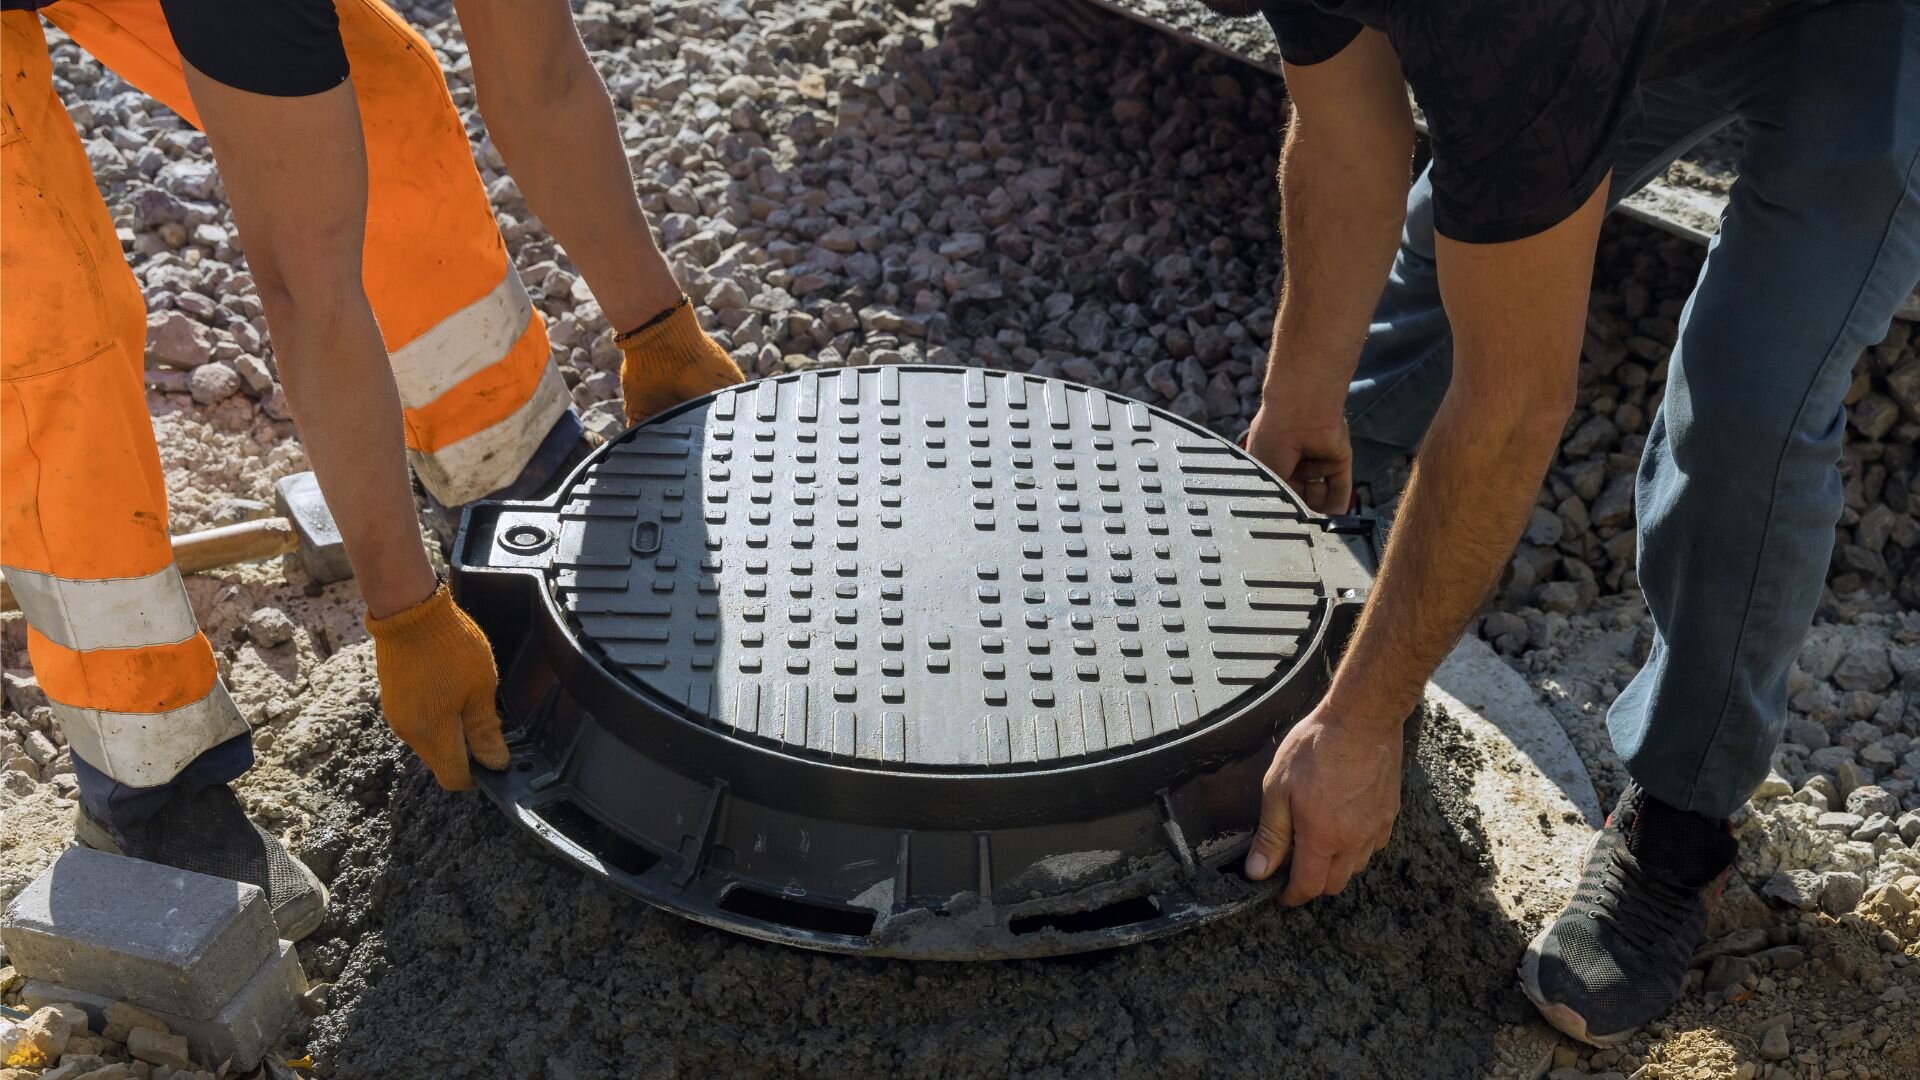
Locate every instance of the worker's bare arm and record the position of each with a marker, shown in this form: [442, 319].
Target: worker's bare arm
[1343, 191]
[548, 111]
[296, 173]
[1517, 310]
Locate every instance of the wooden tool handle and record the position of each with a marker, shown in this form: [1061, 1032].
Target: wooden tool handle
[249, 541]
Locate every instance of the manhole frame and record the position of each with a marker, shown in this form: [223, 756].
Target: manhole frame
[552, 681]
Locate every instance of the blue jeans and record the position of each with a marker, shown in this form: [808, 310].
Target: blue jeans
[1738, 491]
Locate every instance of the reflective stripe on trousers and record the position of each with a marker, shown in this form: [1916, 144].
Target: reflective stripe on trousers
[434, 265]
[127, 671]
[455, 364]
[83, 509]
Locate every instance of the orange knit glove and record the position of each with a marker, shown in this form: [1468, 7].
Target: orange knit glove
[671, 360]
[436, 687]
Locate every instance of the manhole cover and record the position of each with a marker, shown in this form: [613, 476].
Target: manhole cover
[917, 661]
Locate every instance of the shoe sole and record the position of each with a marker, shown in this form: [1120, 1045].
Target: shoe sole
[1561, 1016]
[294, 920]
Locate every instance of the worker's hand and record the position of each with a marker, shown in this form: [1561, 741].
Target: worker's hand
[436, 687]
[670, 361]
[1329, 800]
[1308, 447]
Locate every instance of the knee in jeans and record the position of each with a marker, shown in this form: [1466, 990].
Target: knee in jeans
[1866, 169]
[1723, 429]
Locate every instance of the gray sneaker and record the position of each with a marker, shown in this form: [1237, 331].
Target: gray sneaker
[207, 832]
[1618, 955]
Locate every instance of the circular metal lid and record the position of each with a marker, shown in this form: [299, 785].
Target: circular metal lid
[977, 631]
[937, 570]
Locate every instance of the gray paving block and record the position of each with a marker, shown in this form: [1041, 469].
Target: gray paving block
[243, 1031]
[163, 939]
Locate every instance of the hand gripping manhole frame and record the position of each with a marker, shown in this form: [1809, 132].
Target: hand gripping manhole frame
[634, 763]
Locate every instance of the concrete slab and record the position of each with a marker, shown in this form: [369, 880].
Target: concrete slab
[163, 939]
[1474, 681]
[241, 1033]
[1536, 802]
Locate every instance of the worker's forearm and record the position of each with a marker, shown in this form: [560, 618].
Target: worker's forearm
[1472, 490]
[341, 392]
[548, 112]
[1343, 202]
[295, 169]
[1517, 310]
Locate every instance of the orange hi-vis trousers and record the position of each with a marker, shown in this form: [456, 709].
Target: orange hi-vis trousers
[83, 507]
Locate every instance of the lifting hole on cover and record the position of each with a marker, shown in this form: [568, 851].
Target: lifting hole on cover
[1109, 916]
[646, 537]
[598, 839]
[525, 539]
[796, 913]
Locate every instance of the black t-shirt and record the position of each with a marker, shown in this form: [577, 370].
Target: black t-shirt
[286, 48]
[1527, 101]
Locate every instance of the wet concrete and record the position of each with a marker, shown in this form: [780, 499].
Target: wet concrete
[460, 950]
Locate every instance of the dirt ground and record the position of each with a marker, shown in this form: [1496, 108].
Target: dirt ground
[456, 949]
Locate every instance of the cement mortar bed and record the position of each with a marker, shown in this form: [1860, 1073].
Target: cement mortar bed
[462, 951]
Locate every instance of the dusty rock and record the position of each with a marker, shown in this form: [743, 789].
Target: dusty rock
[1868, 800]
[1727, 972]
[39, 749]
[1839, 821]
[213, 383]
[158, 1048]
[254, 376]
[1873, 828]
[1507, 631]
[36, 1042]
[1819, 792]
[177, 341]
[1743, 942]
[122, 1018]
[23, 693]
[1886, 903]
[1737, 908]
[1866, 668]
[1794, 888]
[274, 405]
[1852, 776]
[1840, 891]
[270, 627]
[76, 1066]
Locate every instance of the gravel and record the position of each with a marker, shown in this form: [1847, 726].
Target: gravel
[1028, 185]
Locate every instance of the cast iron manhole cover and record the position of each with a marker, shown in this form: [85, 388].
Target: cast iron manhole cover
[917, 661]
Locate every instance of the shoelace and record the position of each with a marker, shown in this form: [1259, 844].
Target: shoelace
[1645, 910]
